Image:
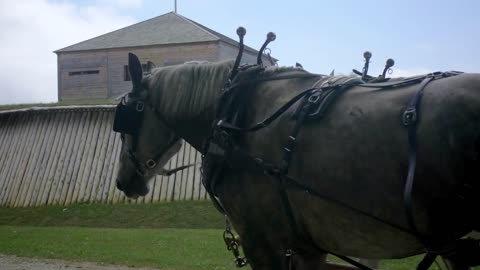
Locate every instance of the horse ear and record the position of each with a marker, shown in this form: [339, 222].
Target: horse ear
[150, 66]
[135, 69]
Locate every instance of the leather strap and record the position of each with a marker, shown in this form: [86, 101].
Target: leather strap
[227, 126]
[410, 120]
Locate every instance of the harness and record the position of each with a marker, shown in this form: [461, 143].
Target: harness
[222, 152]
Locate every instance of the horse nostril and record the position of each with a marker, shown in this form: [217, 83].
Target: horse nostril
[119, 185]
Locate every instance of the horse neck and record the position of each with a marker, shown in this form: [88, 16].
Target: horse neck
[189, 107]
[195, 130]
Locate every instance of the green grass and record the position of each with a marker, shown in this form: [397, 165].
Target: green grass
[184, 214]
[171, 235]
[179, 249]
[60, 103]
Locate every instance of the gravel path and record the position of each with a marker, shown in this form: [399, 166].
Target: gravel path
[8, 262]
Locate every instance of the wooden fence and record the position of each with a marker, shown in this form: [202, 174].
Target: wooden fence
[65, 155]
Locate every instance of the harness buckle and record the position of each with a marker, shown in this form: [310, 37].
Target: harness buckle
[227, 83]
[258, 161]
[140, 106]
[150, 163]
[289, 252]
[409, 117]
[315, 96]
[241, 262]
[223, 139]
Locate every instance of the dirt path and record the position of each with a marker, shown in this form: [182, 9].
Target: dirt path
[8, 262]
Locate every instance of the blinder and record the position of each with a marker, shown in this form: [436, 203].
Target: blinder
[128, 117]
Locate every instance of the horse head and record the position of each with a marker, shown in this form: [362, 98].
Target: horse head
[147, 142]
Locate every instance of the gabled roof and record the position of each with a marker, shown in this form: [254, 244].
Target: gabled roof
[169, 28]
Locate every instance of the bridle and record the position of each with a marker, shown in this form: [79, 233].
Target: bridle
[128, 120]
[150, 164]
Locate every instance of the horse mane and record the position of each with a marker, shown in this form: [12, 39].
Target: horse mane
[182, 90]
[266, 73]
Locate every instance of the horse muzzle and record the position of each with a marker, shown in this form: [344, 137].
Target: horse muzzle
[132, 190]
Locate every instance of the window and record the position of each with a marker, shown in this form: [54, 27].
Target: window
[126, 73]
[83, 72]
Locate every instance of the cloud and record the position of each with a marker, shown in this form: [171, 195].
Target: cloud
[124, 4]
[32, 29]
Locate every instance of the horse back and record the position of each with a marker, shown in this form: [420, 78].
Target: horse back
[357, 154]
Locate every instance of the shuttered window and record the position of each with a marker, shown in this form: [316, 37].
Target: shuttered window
[83, 72]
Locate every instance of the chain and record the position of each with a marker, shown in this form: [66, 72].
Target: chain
[233, 243]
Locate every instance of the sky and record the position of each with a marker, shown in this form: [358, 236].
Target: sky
[421, 36]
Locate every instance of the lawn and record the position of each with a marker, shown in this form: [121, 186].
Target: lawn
[169, 235]
[180, 249]
[183, 214]
[174, 235]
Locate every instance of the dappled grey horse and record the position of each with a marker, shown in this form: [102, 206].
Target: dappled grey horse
[343, 190]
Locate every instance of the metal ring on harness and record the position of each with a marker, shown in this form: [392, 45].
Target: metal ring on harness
[140, 106]
[409, 117]
[150, 163]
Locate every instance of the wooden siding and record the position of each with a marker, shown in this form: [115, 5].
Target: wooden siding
[160, 55]
[110, 81]
[82, 86]
[61, 156]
